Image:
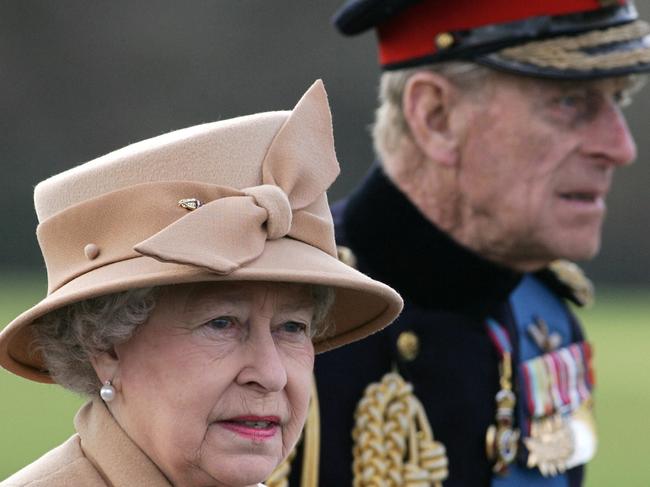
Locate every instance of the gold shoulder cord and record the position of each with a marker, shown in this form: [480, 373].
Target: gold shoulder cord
[393, 441]
[311, 450]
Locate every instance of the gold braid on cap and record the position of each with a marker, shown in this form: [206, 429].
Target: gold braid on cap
[393, 441]
[311, 451]
[566, 52]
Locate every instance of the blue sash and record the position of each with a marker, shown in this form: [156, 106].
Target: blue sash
[529, 301]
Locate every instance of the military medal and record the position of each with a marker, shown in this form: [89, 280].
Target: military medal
[502, 438]
[557, 388]
[550, 445]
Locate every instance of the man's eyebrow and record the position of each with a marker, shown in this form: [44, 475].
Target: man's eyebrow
[622, 83]
[569, 85]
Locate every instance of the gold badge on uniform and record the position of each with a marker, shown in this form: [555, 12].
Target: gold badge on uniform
[550, 445]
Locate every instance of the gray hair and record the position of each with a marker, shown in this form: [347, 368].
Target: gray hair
[68, 337]
[390, 126]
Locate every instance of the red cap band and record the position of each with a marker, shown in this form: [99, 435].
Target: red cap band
[412, 33]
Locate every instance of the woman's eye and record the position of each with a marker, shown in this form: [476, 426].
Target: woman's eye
[221, 323]
[294, 327]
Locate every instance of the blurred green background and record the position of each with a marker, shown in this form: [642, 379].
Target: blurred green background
[36, 417]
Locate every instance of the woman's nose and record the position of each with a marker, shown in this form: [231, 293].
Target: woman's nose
[263, 367]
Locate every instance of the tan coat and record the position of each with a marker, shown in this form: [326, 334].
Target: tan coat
[99, 455]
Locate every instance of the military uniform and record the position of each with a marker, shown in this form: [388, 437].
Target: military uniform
[498, 368]
[453, 366]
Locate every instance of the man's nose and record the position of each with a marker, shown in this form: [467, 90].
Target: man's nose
[608, 137]
[263, 367]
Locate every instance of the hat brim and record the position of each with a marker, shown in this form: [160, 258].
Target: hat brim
[617, 51]
[362, 306]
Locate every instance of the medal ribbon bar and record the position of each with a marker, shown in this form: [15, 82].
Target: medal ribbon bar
[559, 381]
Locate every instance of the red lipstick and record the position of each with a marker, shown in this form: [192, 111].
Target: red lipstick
[253, 427]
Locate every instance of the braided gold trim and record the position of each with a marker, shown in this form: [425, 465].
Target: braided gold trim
[311, 452]
[572, 276]
[393, 441]
[565, 52]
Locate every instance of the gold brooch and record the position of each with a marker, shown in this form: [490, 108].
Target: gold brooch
[190, 204]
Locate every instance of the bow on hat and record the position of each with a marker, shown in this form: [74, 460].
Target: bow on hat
[229, 228]
[229, 232]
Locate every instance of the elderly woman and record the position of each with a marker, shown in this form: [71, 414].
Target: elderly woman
[192, 277]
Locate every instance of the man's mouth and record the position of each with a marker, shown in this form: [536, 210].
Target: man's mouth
[585, 197]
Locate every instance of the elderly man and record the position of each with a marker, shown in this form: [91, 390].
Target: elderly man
[498, 133]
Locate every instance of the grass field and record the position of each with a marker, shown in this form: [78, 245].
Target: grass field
[36, 417]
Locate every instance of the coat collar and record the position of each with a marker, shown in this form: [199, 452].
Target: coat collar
[394, 243]
[112, 452]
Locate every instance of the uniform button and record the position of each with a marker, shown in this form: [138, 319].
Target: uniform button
[444, 40]
[408, 345]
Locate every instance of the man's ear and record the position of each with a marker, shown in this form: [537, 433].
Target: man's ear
[426, 103]
[106, 365]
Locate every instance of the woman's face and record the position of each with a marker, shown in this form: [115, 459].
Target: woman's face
[215, 386]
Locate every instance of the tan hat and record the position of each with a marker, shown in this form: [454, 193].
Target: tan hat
[241, 199]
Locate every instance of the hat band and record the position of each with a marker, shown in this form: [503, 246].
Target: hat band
[223, 229]
[409, 41]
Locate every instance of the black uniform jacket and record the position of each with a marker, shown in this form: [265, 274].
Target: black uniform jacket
[448, 292]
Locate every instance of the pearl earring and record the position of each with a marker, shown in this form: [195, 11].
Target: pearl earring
[107, 392]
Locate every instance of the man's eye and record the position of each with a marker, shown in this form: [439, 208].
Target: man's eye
[571, 101]
[221, 323]
[575, 107]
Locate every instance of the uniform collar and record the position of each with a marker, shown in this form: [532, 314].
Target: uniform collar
[394, 243]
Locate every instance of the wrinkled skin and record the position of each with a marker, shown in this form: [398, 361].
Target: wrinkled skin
[209, 353]
[518, 170]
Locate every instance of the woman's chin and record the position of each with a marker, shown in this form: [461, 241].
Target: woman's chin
[243, 470]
